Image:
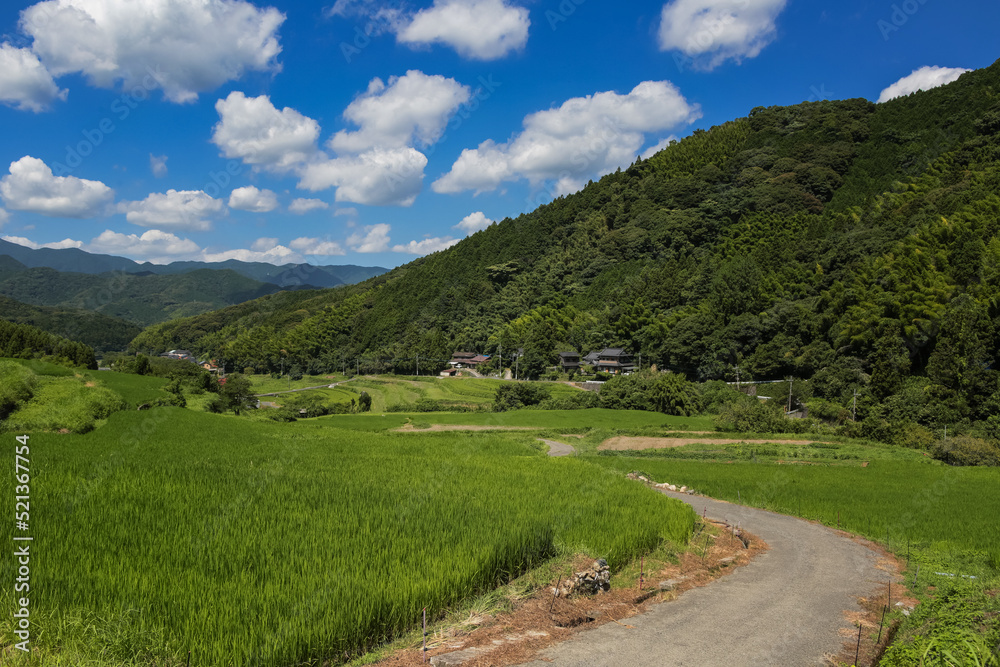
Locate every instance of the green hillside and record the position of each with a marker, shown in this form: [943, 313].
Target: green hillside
[101, 332]
[139, 299]
[847, 242]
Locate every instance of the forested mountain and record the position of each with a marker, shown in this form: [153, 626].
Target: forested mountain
[287, 275]
[847, 242]
[138, 299]
[101, 332]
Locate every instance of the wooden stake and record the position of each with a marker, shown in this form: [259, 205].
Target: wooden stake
[884, 609]
[857, 651]
[424, 656]
[555, 594]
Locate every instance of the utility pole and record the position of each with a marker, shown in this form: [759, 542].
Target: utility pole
[516, 360]
[789, 394]
[737, 377]
[854, 406]
[418, 365]
[500, 354]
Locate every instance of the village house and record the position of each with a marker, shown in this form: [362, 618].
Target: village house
[467, 360]
[614, 360]
[569, 361]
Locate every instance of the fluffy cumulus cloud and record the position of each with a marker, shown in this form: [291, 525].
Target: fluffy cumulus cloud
[474, 222]
[24, 81]
[583, 138]
[181, 46]
[477, 29]
[709, 32]
[255, 131]
[315, 246]
[924, 78]
[174, 209]
[31, 186]
[251, 199]
[374, 239]
[410, 108]
[426, 246]
[153, 245]
[379, 177]
[304, 205]
[65, 243]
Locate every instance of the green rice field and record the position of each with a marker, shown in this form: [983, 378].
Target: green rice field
[249, 543]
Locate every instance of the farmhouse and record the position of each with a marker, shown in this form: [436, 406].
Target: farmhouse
[467, 360]
[615, 360]
[179, 354]
[569, 361]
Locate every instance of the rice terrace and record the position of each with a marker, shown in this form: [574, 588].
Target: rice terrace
[487, 333]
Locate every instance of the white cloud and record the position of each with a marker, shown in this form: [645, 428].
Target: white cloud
[158, 165]
[264, 244]
[253, 130]
[153, 245]
[924, 78]
[656, 148]
[32, 187]
[426, 246]
[315, 246]
[345, 210]
[24, 81]
[302, 205]
[375, 239]
[477, 29]
[379, 177]
[65, 243]
[411, 107]
[4, 217]
[249, 198]
[583, 138]
[184, 209]
[713, 31]
[182, 46]
[474, 222]
[279, 254]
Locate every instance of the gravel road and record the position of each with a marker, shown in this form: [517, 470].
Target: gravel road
[784, 608]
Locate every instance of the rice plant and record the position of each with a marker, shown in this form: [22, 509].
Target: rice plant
[170, 531]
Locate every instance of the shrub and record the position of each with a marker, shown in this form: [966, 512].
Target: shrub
[751, 415]
[968, 451]
[514, 395]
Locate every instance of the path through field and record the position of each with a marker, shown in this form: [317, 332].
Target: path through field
[784, 608]
[557, 448]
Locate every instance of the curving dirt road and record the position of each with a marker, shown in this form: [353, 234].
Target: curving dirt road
[785, 608]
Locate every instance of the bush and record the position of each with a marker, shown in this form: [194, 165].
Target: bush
[17, 385]
[579, 401]
[515, 395]
[968, 451]
[751, 415]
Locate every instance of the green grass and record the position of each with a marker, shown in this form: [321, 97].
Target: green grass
[135, 389]
[265, 384]
[45, 368]
[565, 420]
[278, 544]
[64, 403]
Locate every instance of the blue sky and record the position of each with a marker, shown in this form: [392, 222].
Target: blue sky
[371, 132]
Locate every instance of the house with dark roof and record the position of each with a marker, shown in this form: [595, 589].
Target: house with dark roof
[615, 360]
[591, 358]
[467, 360]
[569, 361]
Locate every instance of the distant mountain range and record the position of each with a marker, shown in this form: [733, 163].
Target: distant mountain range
[286, 275]
[104, 301]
